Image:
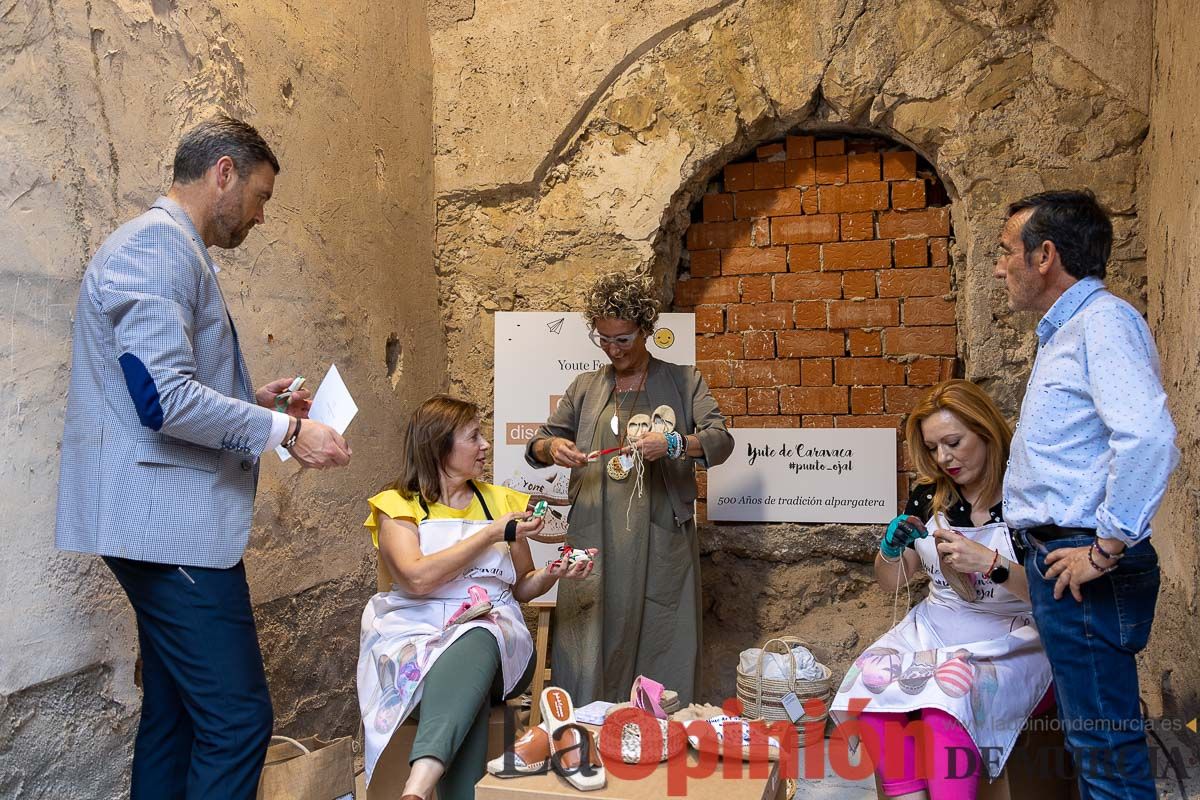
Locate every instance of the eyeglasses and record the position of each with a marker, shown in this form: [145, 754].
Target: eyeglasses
[622, 341]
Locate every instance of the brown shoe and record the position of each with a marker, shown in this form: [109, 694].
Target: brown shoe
[530, 755]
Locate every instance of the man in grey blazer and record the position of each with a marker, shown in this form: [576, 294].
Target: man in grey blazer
[160, 457]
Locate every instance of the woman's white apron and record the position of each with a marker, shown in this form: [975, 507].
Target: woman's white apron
[981, 662]
[402, 636]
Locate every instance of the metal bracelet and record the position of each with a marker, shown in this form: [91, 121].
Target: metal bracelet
[290, 442]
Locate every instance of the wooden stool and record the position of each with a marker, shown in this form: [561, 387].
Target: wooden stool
[541, 654]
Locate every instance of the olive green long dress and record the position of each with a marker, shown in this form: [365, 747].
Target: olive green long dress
[640, 615]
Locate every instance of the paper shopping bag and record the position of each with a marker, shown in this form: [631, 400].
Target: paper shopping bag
[308, 769]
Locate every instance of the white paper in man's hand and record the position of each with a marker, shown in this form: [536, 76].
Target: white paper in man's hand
[331, 405]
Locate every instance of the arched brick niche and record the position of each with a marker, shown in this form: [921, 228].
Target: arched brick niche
[819, 272]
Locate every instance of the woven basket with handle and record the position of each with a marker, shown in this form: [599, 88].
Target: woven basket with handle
[762, 698]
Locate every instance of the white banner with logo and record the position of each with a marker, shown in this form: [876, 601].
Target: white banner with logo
[538, 354]
[806, 475]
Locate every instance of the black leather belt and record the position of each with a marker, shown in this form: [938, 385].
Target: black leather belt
[1049, 533]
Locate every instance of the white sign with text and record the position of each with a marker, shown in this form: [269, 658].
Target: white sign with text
[538, 354]
[806, 475]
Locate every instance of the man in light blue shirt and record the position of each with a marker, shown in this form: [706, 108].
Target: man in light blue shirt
[1090, 460]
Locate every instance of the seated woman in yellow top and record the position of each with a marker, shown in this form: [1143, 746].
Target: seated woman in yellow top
[449, 636]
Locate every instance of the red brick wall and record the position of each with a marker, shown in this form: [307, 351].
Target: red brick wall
[819, 274]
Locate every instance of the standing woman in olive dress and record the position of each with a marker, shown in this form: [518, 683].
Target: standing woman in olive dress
[640, 615]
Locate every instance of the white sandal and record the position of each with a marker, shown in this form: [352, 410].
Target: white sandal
[559, 714]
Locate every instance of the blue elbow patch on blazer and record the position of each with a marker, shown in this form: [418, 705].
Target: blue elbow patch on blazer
[142, 391]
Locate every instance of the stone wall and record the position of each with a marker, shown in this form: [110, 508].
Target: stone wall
[93, 97]
[1172, 674]
[596, 163]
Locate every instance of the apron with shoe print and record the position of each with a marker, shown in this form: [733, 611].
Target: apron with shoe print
[402, 636]
[980, 662]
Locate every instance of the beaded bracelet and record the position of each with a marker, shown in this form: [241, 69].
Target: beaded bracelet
[675, 445]
[1092, 561]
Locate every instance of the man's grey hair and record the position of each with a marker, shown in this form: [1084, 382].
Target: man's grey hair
[203, 146]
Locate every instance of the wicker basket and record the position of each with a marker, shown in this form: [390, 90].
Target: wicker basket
[762, 698]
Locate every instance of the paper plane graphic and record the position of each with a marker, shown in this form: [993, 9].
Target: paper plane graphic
[556, 325]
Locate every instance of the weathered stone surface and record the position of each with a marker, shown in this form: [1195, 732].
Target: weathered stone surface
[93, 97]
[68, 737]
[1171, 673]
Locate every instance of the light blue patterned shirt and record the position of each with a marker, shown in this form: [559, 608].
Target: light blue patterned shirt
[1095, 444]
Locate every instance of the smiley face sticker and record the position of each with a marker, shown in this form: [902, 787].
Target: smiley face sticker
[664, 338]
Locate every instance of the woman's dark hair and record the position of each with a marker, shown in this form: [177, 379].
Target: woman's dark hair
[1080, 229]
[428, 439]
[203, 146]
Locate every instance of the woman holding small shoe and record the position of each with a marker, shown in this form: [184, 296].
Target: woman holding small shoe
[449, 639]
[967, 661]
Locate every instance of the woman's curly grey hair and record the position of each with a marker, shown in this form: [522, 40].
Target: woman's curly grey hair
[623, 295]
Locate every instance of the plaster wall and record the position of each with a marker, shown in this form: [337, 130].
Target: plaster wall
[93, 98]
[1173, 249]
[1002, 98]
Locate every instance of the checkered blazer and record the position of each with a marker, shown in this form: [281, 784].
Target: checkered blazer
[159, 457]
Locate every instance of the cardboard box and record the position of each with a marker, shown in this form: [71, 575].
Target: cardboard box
[387, 782]
[652, 787]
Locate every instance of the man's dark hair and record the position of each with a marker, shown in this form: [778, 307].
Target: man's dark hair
[203, 146]
[1080, 229]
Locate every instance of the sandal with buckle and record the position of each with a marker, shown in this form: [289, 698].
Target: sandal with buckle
[567, 747]
[530, 755]
[479, 605]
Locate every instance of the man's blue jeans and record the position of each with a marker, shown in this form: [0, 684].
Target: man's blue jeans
[1091, 647]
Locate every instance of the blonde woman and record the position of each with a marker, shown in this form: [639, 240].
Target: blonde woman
[641, 614]
[966, 662]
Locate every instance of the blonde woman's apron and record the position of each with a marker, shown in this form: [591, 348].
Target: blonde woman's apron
[981, 662]
[402, 636]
